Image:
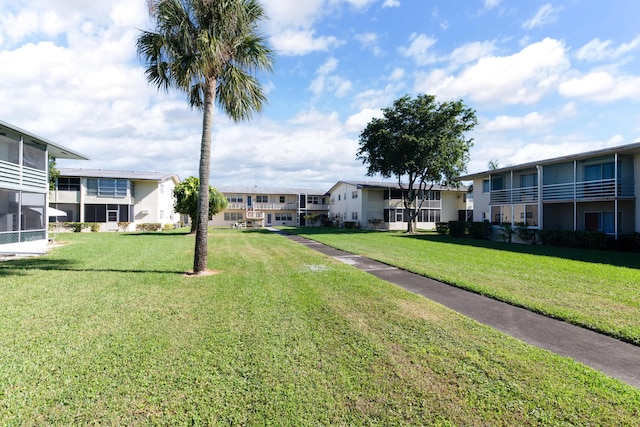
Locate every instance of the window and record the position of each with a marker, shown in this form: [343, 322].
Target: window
[234, 198]
[233, 216]
[602, 221]
[485, 186]
[34, 156]
[283, 199]
[338, 197]
[501, 214]
[107, 187]
[496, 183]
[33, 215]
[9, 150]
[284, 216]
[354, 215]
[598, 172]
[69, 184]
[399, 216]
[529, 180]
[354, 194]
[262, 199]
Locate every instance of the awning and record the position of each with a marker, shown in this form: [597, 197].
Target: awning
[55, 212]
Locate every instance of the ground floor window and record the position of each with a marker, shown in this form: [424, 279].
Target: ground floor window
[428, 215]
[602, 221]
[284, 216]
[22, 216]
[516, 214]
[233, 216]
[108, 213]
[354, 215]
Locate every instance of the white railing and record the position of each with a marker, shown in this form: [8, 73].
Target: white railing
[514, 195]
[601, 189]
[255, 215]
[275, 206]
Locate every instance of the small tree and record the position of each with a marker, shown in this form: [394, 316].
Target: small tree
[187, 193]
[419, 140]
[54, 173]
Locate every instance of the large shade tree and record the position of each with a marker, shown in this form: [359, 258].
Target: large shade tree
[421, 141]
[213, 51]
[187, 194]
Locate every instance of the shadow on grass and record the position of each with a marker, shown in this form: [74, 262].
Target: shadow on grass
[615, 258]
[20, 267]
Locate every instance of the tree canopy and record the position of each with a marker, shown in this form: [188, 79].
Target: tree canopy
[186, 195]
[421, 141]
[212, 50]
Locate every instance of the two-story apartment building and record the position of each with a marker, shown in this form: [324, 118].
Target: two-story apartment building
[109, 197]
[24, 187]
[380, 205]
[260, 207]
[596, 190]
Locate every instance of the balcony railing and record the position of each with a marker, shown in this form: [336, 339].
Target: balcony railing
[427, 204]
[317, 207]
[514, 195]
[236, 205]
[275, 206]
[601, 189]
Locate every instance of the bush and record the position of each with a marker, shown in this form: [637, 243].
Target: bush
[123, 225]
[95, 227]
[527, 234]
[167, 227]
[629, 242]
[149, 226]
[456, 228]
[76, 227]
[574, 239]
[480, 230]
[442, 228]
[350, 225]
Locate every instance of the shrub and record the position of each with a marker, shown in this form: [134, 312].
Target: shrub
[526, 234]
[350, 225]
[149, 226]
[442, 228]
[629, 242]
[76, 227]
[480, 230]
[574, 239]
[123, 225]
[95, 227]
[456, 228]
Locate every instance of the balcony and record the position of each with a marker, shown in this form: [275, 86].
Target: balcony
[589, 190]
[275, 206]
[514, 195]
[427, 204]
[254, 215]
[317, 207]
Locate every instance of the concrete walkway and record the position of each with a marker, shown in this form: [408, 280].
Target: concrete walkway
[613, 357]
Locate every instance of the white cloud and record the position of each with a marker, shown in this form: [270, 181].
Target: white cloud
[357, 122]
[522, 78]
[598, 50]
[470, 52]
[369, 41]
[420, 49]
[547, 14]
[391, 3]
[528, 121]
[601, 86]
[293, 42]
[490, 4]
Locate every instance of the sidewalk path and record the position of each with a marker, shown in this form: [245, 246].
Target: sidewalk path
[613, 357]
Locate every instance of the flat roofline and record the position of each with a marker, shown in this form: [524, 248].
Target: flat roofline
[628, 148]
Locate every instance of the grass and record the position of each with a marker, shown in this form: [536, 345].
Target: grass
[598, 290]
[106, 330]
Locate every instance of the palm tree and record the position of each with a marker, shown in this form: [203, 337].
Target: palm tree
[211, 50]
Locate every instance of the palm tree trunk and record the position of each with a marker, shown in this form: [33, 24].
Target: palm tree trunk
[202, 222]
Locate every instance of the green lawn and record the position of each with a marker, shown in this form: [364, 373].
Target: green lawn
[599, 290]
[107, 330]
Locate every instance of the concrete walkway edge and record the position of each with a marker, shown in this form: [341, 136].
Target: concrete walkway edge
[613, 357]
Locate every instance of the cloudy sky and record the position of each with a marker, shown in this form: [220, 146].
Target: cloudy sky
[546, 78]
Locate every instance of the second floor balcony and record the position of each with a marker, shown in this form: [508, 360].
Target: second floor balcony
[583, 190]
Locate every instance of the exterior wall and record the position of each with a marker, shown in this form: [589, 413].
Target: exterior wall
[257, 209]
[481, 210]
[373, 204]
[451, 203]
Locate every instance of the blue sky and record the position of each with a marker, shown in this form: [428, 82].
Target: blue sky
[546, 78]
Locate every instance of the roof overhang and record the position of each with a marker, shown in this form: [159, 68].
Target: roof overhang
[55, 150]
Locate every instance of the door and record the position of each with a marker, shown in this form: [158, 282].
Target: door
[268, 219]
[112, 217]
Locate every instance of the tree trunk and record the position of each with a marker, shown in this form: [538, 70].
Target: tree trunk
[202, 221]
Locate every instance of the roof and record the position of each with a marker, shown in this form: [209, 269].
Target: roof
[263, 190]
[622, 149]
[118, 174]
[55, 150]
[393, 185]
